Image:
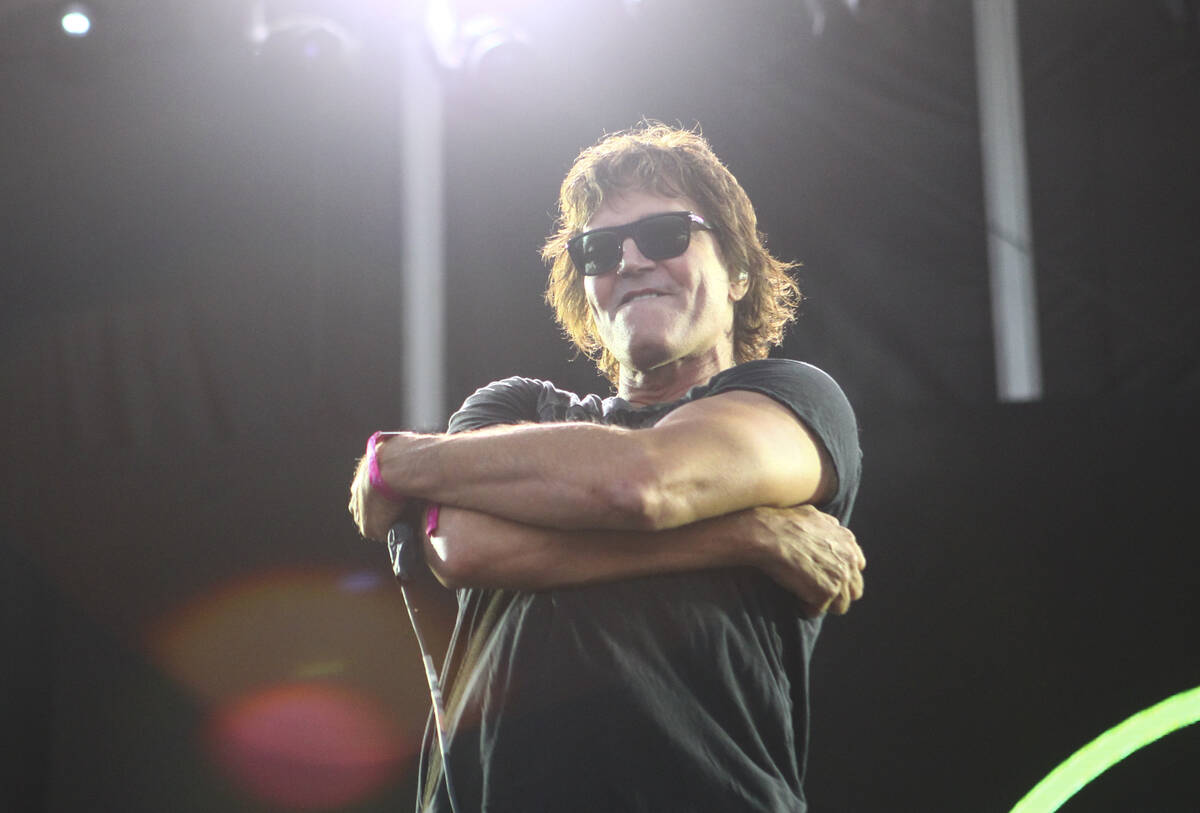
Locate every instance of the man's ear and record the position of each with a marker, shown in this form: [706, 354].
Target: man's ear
[738, 286]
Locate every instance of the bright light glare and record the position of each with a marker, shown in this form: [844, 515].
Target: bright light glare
[1110, 748]
[76, 23]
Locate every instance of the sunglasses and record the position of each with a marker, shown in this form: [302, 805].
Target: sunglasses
[658, 237]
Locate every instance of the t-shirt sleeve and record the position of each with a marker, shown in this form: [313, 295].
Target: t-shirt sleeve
[817, 401]
[513, 400]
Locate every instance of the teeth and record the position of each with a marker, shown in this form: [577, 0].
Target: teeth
[641, 296]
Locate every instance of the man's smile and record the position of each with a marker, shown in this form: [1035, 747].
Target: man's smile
[642, 293]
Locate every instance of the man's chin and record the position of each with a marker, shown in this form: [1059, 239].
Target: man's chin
[646, 357]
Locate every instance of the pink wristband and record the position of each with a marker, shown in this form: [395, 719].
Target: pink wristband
[431, 518]
[373, 475]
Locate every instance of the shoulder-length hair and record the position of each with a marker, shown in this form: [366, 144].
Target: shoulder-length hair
[672, 162]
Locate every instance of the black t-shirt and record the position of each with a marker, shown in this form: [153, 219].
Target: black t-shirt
[675, 692]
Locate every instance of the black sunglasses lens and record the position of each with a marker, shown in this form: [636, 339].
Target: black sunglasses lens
[663, 237]
[596, 253]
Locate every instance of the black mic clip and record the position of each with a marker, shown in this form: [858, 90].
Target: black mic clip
[404, 548]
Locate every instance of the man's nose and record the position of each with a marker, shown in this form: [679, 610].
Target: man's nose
[632, 259]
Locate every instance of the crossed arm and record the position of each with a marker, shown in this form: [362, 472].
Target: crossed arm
[722, 481]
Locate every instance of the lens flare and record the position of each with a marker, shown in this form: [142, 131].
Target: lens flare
[306, 746]
[312, 679]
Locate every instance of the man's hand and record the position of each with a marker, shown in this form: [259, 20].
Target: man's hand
[373, 513]
[811, 554]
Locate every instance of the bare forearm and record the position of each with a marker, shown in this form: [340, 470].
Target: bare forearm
[805, 551]
[567, 476]
[706, 459]
[473, 549]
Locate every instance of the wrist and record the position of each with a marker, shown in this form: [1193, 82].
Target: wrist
[409, 463]
[374, 473]
[755, 542]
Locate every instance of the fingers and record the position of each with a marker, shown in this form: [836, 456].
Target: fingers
[357, 497]
[363, 509]
[840, 601]
[849, 562]
[852, 591]
[851, 588]
[860, 558]
[847, 545]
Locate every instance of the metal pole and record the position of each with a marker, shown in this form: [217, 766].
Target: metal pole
[423, 234]
[1006, 193]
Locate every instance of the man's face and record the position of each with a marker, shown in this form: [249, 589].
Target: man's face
[649, 313]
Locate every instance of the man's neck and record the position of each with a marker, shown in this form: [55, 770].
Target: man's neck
[670, 381]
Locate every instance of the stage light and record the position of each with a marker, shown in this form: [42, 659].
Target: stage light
[479, 44]
[491, 44]
[76, 21]
[308, 41]
[293, 35]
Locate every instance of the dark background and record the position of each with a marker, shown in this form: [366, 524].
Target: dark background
[200, 317]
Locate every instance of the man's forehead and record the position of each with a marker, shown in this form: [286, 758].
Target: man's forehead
[626, 206]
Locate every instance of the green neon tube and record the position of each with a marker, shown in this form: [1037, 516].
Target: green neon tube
[1110, 748]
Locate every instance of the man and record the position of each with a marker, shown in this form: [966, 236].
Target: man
[641, 578]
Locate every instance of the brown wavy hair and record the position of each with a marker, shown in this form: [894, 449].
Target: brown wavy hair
[672, 162]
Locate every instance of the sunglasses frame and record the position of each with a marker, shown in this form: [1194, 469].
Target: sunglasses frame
[574, 245]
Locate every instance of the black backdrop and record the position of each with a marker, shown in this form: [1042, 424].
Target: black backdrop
[200, 325]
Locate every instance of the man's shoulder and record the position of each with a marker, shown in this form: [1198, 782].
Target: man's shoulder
[783, 379]
[516, 386]
[767, 370]
[519, 399]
